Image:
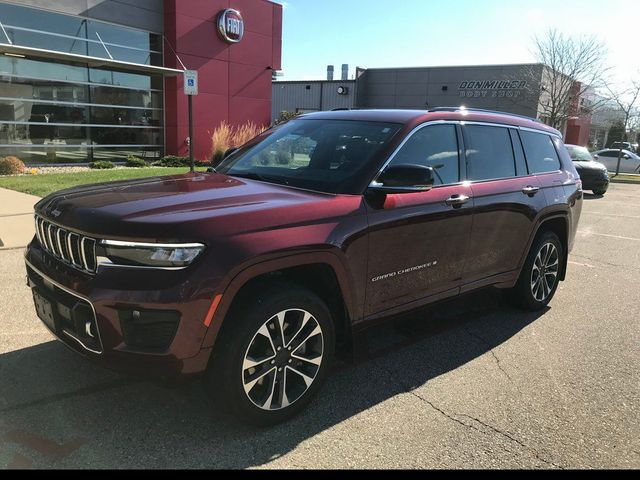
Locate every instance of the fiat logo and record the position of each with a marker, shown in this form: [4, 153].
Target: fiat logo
[230, 25]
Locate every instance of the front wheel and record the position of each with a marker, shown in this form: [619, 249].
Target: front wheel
[274, 356]
[599, 192]
[540, 274]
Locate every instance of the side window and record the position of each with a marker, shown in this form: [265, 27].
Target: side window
[609, 153]
[489, 152]
[435, 146]
[540, 152]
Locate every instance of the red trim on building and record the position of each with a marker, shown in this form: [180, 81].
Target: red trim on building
[234, 79]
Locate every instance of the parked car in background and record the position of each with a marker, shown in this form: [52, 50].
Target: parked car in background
[625, 146]
[629, 163]
[593, 174]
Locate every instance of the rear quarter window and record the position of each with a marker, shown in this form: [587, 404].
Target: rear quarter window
[540, 152]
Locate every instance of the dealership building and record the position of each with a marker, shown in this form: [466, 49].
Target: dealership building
[515, 89]
[102, 79]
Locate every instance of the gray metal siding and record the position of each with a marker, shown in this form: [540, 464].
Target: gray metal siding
[296, 97]
[422, 88]
[143, 14]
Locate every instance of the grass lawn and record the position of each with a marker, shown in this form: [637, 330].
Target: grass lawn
[44, 184]
[625, 178]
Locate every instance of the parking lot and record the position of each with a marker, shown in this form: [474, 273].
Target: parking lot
[469, 383]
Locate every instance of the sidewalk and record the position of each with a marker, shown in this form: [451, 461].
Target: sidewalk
[16, 219]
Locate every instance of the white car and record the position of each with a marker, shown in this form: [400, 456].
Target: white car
[629, 163]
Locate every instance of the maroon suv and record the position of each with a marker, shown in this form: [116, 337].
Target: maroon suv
[312, 231]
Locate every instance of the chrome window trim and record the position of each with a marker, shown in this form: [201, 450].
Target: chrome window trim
[374, 182]
[77, 295]
[462, 123]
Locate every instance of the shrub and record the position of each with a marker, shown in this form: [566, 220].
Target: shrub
[173, 161]
[102, 165]
[286, 116]
[11, 166]
[135, 162]
[225, 137]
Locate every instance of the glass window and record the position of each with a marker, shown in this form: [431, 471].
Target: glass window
[540, 152]
[609, 153]
[579, 154]
[489, 152]
[322, 155]
[435, 146]
[521, 162]
[22, 67]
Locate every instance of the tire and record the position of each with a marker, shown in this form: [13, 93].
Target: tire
[599, 192]
[297, 368]
[530, 292]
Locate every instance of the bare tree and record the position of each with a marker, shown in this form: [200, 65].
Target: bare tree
[628, 101]
[573, 66]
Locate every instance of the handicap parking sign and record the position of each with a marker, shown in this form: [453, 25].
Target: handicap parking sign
[190, 82]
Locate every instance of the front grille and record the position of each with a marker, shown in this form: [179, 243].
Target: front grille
[72, 248]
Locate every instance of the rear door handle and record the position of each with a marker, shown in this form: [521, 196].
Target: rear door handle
[456, 201]
[531, 191]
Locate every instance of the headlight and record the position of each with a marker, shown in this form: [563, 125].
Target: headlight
[149, 255]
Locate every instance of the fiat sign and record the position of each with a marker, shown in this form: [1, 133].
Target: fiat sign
[230, 25]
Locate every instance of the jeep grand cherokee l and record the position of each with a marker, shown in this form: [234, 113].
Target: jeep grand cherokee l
[300, 239]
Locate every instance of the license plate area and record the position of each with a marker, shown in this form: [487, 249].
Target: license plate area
[44, 310]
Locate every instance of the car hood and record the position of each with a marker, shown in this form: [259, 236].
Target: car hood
[589, 165]
[157, 208]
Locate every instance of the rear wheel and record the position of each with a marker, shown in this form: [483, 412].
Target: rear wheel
[539, 278]
[275, 355]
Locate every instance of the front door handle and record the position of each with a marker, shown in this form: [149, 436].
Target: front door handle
[456, 201]
[531, 191]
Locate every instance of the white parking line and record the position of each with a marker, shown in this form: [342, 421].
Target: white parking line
[570, 262]
[610, 215]
[610, 236]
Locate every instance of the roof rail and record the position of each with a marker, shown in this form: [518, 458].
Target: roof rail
[481, 110]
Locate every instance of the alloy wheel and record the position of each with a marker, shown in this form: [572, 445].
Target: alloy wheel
[544, 272]
[283, 359]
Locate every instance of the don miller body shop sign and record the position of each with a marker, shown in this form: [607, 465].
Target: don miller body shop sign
[492, 88]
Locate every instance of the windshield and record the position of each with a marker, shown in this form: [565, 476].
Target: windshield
[580, 154]
[322, 155]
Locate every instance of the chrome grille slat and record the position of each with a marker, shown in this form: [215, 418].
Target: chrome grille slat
[70, 247]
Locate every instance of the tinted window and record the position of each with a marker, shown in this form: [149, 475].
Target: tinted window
[609, 153]
[541, 154]
[436, 147]
[489, 152]
[323, 155]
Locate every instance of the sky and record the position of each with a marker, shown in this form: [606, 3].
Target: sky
[405, 33]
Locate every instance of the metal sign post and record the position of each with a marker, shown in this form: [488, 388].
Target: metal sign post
[191, 89]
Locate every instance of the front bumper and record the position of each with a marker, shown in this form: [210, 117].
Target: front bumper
[599, 182]
[141, 322]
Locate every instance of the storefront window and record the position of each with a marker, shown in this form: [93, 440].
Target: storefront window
[65, 113]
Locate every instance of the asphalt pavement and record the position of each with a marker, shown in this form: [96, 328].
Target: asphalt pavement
[472, 383]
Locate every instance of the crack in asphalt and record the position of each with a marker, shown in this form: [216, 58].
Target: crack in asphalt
[493, 354]
[599, 260]
[496, 430]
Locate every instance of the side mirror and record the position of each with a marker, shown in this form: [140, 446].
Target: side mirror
[404, 179]
[596, 156]
[626, 157]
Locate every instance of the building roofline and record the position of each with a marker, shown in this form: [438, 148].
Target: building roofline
[313, 81]
[532, 64]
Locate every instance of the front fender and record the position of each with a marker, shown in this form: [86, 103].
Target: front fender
[258, 267]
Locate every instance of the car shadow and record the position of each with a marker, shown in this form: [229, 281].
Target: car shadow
[591, 196]
[57, 410]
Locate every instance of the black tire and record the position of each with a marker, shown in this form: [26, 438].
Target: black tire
[599, 192]
[525, 294]
[241, 335]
